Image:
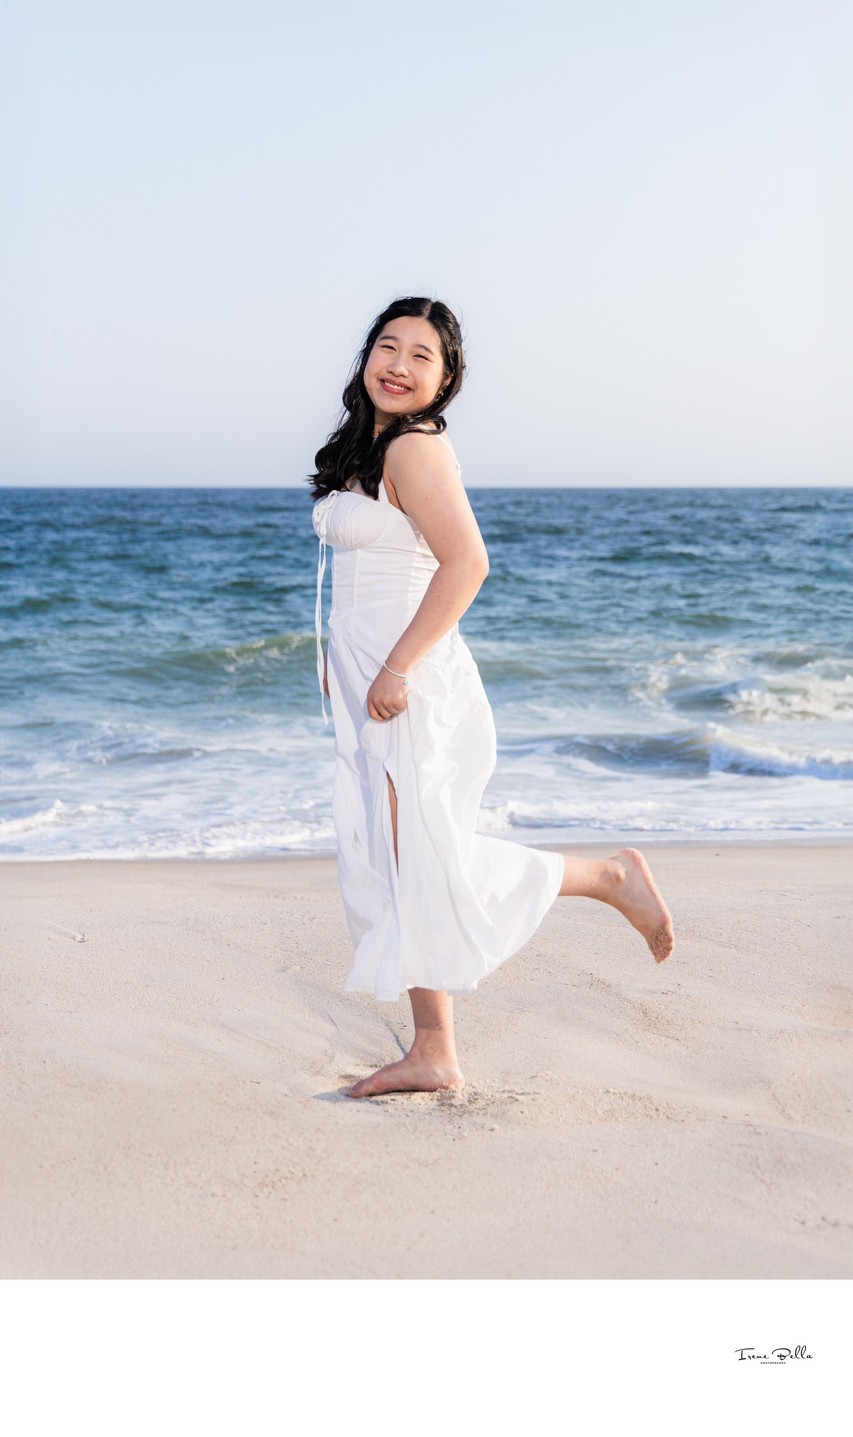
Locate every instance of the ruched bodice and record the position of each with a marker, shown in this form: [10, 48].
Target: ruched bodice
[455, 903]
[380, 554]
[380, 558]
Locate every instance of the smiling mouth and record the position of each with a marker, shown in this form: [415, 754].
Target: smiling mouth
[394, 388]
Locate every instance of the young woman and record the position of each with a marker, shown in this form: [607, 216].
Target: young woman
[432, 906]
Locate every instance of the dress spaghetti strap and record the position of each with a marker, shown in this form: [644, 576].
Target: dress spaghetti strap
[450, 447]
[443, 439]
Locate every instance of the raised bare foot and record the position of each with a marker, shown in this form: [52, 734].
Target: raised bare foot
[636, 895]
[410, 1075]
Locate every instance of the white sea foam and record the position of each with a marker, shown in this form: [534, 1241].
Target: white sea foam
[665, 678]
[723, 805]
[258, 787]
[729, 751]
[796, 698]
[767, 689]
[58, 813]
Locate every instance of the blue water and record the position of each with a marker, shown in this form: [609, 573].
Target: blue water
[674, 663]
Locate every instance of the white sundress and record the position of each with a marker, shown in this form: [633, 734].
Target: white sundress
[461, 903]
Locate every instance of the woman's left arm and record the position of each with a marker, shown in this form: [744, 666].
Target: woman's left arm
[426, 481]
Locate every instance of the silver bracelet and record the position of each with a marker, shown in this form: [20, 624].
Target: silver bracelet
[404, 677]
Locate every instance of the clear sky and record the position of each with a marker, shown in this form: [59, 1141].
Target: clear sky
[640, 212]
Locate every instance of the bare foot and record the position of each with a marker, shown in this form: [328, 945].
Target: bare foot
[637, 896]
[410, 1075]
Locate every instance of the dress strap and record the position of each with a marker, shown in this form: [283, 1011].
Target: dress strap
[450, 447]
[436, 435]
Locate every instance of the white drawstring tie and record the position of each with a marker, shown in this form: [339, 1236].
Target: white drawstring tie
[320, 520]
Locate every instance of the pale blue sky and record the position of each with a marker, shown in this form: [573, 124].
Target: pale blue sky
[639, 211]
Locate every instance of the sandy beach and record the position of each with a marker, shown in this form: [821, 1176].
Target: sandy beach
[177, 1048]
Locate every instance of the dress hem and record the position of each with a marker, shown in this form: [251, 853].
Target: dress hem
[549, 898]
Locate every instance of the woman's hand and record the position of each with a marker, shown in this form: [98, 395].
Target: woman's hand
[326, 674]
[387, 696]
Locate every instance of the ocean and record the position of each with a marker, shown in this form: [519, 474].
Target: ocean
[663, 664]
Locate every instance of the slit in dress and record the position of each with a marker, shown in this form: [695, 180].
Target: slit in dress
[392, 807]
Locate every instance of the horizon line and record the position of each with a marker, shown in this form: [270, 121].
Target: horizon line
[275, 488]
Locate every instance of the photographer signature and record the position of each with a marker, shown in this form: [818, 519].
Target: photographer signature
[779, 1356]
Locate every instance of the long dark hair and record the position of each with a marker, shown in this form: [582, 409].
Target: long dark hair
[351, 450]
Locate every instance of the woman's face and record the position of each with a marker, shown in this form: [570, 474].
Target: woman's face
[405, 369]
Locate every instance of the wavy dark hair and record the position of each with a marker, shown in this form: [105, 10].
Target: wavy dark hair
[352, 450]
